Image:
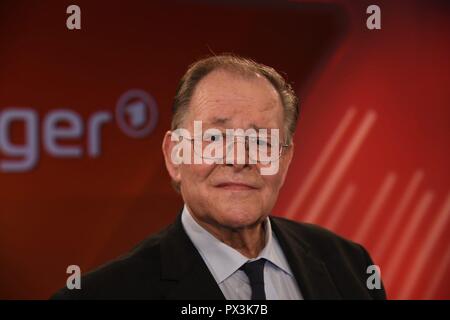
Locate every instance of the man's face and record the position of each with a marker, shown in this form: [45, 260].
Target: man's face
[231, 195]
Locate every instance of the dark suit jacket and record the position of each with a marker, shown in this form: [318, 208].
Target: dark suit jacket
[168, 266]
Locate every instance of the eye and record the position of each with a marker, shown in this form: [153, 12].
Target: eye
[262, 142]
[213, 137]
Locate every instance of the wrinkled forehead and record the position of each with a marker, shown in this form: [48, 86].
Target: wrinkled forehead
[228, 100]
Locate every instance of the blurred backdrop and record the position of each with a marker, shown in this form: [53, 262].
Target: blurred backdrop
[83, 114]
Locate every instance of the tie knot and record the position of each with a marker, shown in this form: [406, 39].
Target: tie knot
[254, 271]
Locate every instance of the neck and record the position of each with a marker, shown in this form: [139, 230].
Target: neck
[249, 241]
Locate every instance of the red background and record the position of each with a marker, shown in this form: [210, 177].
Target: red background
[388, 88]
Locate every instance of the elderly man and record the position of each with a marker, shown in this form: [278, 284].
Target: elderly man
[238, 118]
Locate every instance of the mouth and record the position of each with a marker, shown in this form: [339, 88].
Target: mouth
[235, 186]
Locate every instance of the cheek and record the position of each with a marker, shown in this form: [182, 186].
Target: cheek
[195, 174]
[276, 181]
[272, 185]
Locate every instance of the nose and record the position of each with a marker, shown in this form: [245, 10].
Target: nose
[238, 155]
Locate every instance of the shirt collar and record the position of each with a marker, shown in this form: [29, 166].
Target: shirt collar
[223, 260]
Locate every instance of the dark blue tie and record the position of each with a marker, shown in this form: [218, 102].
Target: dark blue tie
[255, 273]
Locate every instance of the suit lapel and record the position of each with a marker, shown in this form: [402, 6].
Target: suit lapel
[310, 271]
[183, 269]
[186, 275]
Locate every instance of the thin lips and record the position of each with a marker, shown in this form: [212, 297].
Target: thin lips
[226, 184]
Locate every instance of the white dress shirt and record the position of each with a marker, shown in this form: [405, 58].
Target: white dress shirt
[224, 262]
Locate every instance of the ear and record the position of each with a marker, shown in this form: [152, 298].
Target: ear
[286, 160]
[290, 153]
[172, 168]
